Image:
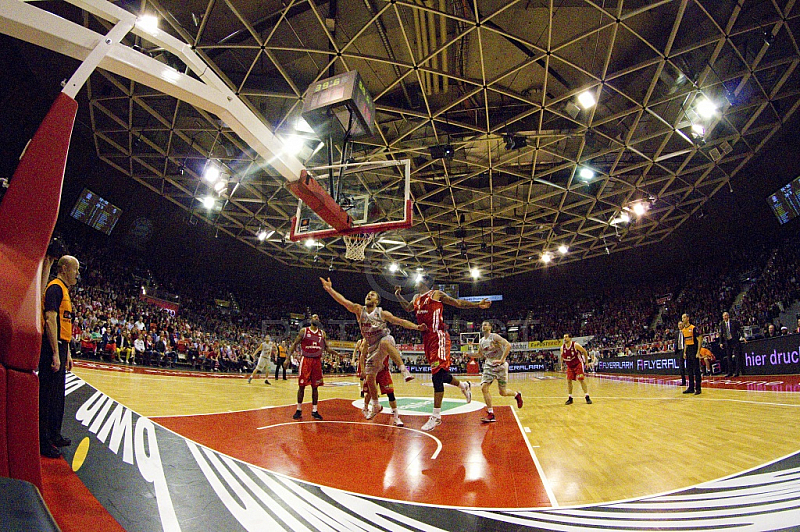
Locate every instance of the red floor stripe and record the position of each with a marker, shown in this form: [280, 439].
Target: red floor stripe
[73, 506]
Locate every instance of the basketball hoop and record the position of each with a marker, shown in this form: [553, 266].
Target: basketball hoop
[356, 244]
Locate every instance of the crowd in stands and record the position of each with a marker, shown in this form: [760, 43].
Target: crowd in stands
[114, 323]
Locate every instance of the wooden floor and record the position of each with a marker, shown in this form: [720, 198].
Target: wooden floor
[636, 439]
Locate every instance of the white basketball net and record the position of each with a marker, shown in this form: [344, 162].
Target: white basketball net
[356, 245]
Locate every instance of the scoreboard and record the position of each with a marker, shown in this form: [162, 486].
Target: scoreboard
[96, 212]
[337, 104]
[785, 203]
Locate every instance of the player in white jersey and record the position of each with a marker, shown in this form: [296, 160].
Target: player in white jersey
[380, 343]
[266, 349]
[494, 349]
[383, 379]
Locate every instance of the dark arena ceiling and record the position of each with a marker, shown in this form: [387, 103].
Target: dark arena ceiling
[686, 92]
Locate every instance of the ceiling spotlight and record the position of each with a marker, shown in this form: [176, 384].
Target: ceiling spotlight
[586, 99]
[148, 23]
[220, 186]
[418, 278]
[393, 267]
[330, 268]
[211, 174]
[639, 208]
[475, 273]
[586, 173]
[391, 242]
[547, 257]
[261, 235]
[208, 202]
[515, 142]
[607, 251]
[442, 151]
[698, 131]
[705, 107]
[563, 249]
[623, 218]
[310, 243]
[302, 125]
[293, 144]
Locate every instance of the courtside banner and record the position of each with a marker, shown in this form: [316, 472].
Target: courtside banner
[655, 364]
[772, 356]
[769, 356]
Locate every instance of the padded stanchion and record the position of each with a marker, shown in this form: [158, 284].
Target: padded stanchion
[28, 214]
[22, 416]
[3, 424]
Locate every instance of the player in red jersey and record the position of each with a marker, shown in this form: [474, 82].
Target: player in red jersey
[572, 356]
[428, 306]
[313, 343]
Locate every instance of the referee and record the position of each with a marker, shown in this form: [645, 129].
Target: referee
[55, 359]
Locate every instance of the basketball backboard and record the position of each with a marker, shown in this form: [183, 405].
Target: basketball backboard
[376, 196]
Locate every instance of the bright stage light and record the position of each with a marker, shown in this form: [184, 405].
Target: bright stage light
[586, 99]
[148, 23]
[705, 108]
[211, 174]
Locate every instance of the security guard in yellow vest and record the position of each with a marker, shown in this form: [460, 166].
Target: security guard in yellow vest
[55, 359]
[692, 340]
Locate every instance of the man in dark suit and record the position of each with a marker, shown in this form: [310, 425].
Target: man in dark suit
[729, 333]
[679, 352]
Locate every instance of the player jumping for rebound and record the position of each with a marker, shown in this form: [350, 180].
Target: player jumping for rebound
[572, 355]
[428, 306]
[380, 343]
[494, 349]
[383, 379]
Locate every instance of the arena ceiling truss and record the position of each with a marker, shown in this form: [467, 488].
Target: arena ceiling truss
[533, 167]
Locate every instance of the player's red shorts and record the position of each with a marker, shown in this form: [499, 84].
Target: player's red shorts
[310, 372]
[437, 350]
[384, 380]
[575, 372]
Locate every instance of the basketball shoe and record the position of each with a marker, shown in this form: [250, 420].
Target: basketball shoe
[406, 374]
[432, 423]
[489, 418]
[518, 397]
[466, 389]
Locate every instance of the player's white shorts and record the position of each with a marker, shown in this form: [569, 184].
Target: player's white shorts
[377, 355]
[499, 372]
[263, 364]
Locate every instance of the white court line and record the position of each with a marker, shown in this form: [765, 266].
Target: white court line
[437, 440]
[545, 482]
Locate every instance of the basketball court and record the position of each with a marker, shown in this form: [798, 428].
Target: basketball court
[168, 450]
[212, 452]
